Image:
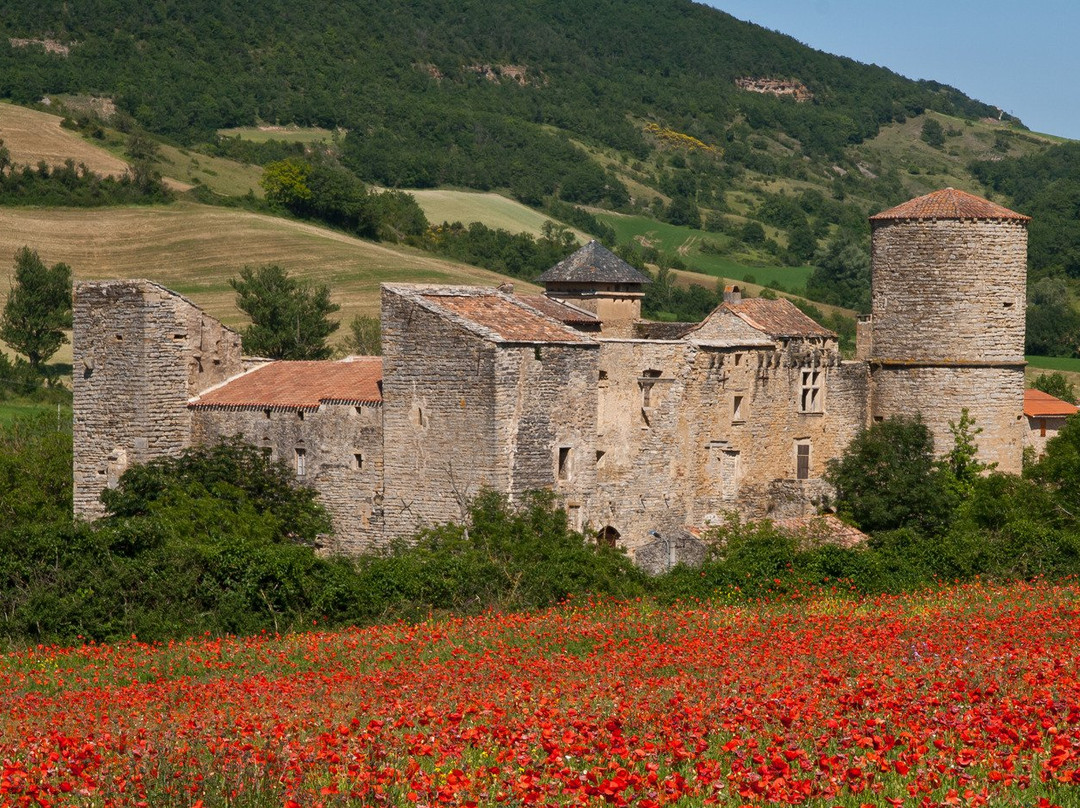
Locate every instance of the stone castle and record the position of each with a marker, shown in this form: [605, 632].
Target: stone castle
[640, 429]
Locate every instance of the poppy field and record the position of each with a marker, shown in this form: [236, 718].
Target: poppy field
[963, 696]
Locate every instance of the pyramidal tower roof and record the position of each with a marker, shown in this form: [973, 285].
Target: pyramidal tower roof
[949, 203]
[593, 263]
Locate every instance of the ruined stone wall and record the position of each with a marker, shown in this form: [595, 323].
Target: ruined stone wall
[994, 397]
[721, 427]
[545, 414]
[643, 434]
[758, 422]
[139, 353]
[948, 290]
[439, 417]
[342, 459]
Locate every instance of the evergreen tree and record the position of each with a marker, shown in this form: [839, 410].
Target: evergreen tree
[289, 318]
[38, 309]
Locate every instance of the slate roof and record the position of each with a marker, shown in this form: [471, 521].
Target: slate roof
[593, 263]
[298, 385]
[506, 318]
[949, 203]
[1040, 404]
[777, 318]
[556, 309]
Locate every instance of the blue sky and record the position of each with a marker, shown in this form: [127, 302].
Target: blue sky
[1021, 56]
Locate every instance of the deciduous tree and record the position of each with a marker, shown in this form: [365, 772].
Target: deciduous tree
[289, 317]
[38, 308]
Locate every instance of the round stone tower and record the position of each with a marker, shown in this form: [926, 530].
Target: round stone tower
[947, 318]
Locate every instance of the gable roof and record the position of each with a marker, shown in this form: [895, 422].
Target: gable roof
[777, 318]
[949, 203]
[298, 385]
[558, 310]
[1040, 404]
[593, 263]
[500, 317]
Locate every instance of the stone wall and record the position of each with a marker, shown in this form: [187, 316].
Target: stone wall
[545, 415]
[1040, 429]
[994, 397]
[948, 328]
[439, 417]
[342, 449]
[949, 290]
[139, 353]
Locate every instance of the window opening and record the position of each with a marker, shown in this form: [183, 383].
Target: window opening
[358, 461]
[301, 462]
[647, 385]
[564, 462]
[737, 409]
[810, 397]
[608, 537]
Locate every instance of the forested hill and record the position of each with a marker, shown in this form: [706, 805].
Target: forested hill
[186, 68]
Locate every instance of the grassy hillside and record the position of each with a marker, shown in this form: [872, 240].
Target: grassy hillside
[32, 136]
[494, 210]
[195, 249]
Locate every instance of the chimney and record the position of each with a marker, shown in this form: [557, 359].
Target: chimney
[732, 294]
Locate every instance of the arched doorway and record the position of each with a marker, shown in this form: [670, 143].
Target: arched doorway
[608, 537]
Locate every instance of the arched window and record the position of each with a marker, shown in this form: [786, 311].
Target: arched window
[608, 537]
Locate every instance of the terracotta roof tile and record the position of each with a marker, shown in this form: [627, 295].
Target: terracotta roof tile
[593, 263]
[507, 318]
[949, 203]
[571, 315]
[777, 318]
[1037, 403]
[821, 529]
[299, 385]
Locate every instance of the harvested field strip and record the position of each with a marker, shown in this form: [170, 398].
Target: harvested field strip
[32, 136]
[195, 249]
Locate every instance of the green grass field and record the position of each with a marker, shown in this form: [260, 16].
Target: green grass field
[685, 242]
[289, 134]
[493, 210]
[1061, 363]
[16, 408]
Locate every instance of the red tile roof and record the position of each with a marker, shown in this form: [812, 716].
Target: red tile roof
[821, 529]
[777, 318]
[1040, 404]
[571, 315]
[508, 319]
[949, 203]
[299, 385]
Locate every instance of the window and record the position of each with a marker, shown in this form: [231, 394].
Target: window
[603, 375]
[646, 383]
[1042, 427]
[810, 397]
[266, 412]
[608, 537]
[564, 462]
[358, 462]
[301, 462]
[300, 414]
[738, 359]
[737, 410]
[802, 460]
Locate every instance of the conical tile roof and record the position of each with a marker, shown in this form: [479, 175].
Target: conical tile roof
[949, 203]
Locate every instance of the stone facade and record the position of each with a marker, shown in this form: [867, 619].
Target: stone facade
[947, 326]
[640, 430]
[140, 352]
